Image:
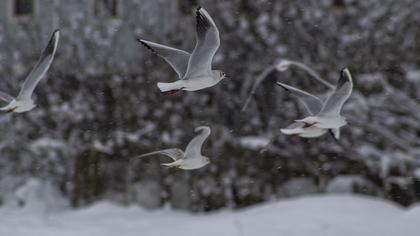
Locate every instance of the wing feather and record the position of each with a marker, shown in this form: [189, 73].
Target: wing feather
[193, 149]
[261, 77]
[40, 68]
[177, 59]
[311, 102]
[208, 42]
[173, 153]
[335, 102]
[6, 97]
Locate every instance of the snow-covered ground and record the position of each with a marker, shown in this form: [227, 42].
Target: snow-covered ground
[318, 215]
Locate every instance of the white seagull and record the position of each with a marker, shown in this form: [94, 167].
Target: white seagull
[324, 116]
[23, 102]
[194, 70]
[285, 64]
[281, 65]
[191, 158]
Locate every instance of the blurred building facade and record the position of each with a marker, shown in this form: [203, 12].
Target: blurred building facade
[100, 30]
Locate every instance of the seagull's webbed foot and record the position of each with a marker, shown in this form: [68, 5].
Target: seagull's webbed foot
[170, 164]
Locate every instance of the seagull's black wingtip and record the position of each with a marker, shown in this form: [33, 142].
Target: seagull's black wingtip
[344, 74]
[283, 87]
[56, 31]
[344, 69]
[333, 136]
[145, 45]
[198, 8]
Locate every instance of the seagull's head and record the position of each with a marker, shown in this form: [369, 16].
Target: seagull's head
[207, 160]
[283, 65]
[201, 128]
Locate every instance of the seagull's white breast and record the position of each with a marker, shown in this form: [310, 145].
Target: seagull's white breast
[312, 132]
[193, 163]
[330, 122]
[198, 83]
[23, 106]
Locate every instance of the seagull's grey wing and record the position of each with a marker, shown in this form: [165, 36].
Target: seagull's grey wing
[6, 97]
[285, 64]
[178, 59]
[174, 153]
[40, 68]
[208, 42]
[342, 92]
[194, 146]
[257, 83]
[311, 102]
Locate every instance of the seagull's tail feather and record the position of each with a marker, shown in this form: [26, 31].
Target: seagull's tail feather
[168, 87]
[291, 131]
[171, 164]
[294, 128]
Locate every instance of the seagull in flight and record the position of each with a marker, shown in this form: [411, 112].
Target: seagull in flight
[190, 159]
[194, 70]
[23, 102]
[281, 66]
[324, 116]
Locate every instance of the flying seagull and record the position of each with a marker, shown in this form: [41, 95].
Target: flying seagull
[281, 66]
[324, 116]
[23, 102]
[285, 64]
[194, 70]
[191, 158]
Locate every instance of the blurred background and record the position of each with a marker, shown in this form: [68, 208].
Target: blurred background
[100, 105]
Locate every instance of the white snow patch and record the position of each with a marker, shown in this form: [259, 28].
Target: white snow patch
[104, 148]
[38, 196]
[417, 173]
[254, 142]
[327, 215]
[413, 75]
[47, 143]
[346, 184]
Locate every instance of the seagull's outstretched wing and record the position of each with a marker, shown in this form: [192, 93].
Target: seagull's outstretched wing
[178, 59]
[194, 146]
[6, 97]
[342, 92]
[284, 64]
[311, 102]
[208, 42]
[174, 153]
[40, 68]
[257, 83]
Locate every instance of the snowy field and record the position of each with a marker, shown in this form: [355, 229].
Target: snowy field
[320, 215]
